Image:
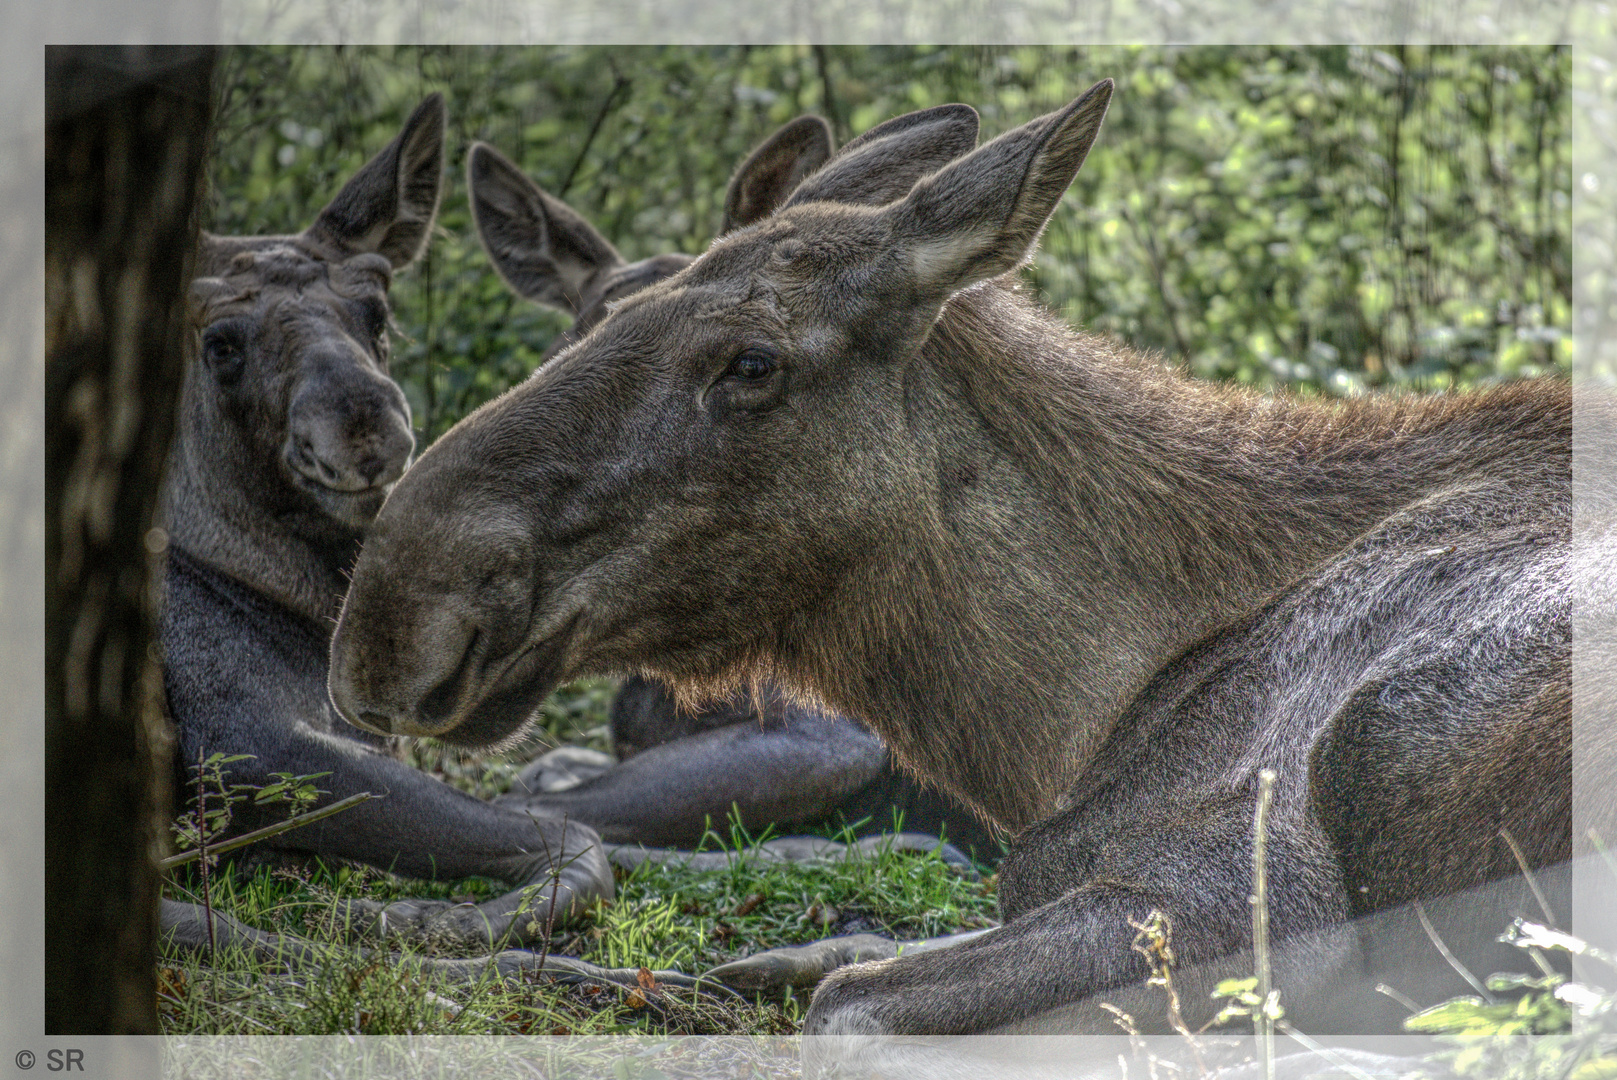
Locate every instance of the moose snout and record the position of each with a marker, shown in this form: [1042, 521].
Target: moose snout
[349, 465]
[349, 431]
[445, 648]
[374, 693]
[443, 681]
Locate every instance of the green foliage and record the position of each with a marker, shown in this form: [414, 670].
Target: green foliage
[213, 800]
[1576, 1021]
[1328, 218]
[1536, 1011]
[647, 933]
[1242, 1002]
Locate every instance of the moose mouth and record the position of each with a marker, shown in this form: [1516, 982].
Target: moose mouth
[353, 506]
[355, 509]
[460, 712]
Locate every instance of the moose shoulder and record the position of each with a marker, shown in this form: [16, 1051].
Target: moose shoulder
[1084, 594]
[291, 434]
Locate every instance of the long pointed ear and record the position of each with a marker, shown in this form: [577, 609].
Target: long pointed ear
[982, 215]
[541, 246]
[778, 165]
[389, 204]
[886, 161]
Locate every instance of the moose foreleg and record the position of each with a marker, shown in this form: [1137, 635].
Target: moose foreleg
[421, 827]
[671, 794]
[1058, 961]
[554, 888]
[801, 967]
[184, 930]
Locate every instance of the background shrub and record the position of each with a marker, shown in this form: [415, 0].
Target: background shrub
[1328, 218]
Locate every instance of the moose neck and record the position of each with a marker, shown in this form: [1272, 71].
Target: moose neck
[1092, 515]
[224, 505]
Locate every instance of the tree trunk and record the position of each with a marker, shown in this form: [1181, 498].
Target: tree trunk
[127, 129]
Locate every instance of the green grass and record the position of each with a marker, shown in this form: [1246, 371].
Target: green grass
[663, 917]
[755, 904]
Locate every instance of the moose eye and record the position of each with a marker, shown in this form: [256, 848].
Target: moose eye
[224, 350]
[752, 365]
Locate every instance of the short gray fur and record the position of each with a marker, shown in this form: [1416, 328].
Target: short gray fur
[291, 434]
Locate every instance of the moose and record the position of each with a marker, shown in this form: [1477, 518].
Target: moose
[769, 761]
[1090, 597]
[290, 435]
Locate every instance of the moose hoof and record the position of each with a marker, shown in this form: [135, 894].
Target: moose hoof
[847, 1004]
[800, 967]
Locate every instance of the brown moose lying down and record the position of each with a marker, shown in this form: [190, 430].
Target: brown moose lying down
[1087, 596]
[290, 435]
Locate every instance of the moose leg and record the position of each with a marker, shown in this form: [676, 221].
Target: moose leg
[802, 967]
[421, 827]
[184, 929]
[796, 849]
[671, 794]
[1070, 949]
[1059, 953]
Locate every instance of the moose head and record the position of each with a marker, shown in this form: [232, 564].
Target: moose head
[732, 475]
[292, 431]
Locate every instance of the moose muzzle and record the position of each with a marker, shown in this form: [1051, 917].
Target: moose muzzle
[348, 437]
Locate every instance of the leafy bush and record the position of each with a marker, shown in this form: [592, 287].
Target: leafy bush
[1328, 218]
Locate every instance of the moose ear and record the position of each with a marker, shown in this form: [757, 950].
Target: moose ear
[388, 206]
[886, 161]
[780, 164]
[541, 246]
[982, 215]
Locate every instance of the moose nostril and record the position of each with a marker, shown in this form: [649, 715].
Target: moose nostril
[377, 721]
[439, 702]
[310, 459]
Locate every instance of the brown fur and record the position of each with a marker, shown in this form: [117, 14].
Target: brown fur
[1085, 594]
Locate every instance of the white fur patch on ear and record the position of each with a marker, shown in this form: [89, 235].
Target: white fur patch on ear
[947, 260]
[371, 239]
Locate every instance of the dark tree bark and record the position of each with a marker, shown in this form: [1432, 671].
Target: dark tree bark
[127, 130]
